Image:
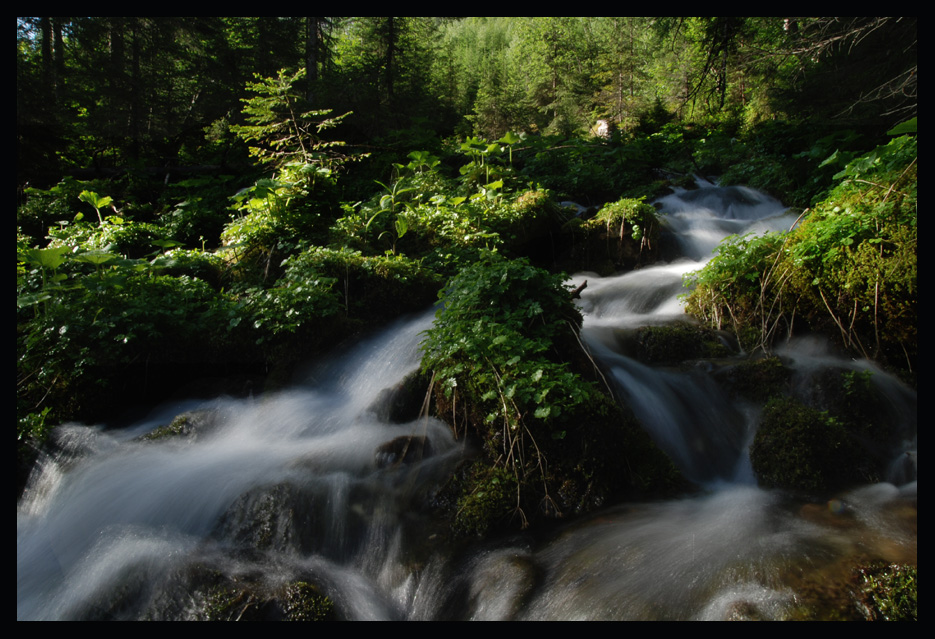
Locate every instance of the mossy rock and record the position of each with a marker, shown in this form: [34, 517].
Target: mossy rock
[591, 457]
[301, 601]
[757, 379]
[800, 448]
[509, 367]
[485, 500]
[295, 601]
[851, 396]
[402, 402]
[188, 425]
[604, 455]
[678, 342]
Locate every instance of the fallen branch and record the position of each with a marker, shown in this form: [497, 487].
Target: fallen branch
[576, 294]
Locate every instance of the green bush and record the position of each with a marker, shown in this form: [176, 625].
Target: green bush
[735, 288]
[96, 333]
[509, 370]
[849, 270]
[372, 289]
[629, 217]
[498, 332]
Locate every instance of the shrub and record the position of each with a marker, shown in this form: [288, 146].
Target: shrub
[505, 354]
[735, 289]
[849, 270]
[103, 330]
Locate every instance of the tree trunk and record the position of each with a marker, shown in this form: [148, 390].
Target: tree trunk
[312, 43]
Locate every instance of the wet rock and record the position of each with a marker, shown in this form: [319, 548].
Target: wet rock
[403, 450]
[188, 425]
[403, 402]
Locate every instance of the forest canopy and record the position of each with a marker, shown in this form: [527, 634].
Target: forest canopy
[97, 93]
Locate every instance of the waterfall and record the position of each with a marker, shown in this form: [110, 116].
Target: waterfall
[305, 486]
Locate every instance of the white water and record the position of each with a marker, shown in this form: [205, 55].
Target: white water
[112, 526]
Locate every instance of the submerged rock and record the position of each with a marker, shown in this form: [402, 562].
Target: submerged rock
[407, 449]
[188, 425]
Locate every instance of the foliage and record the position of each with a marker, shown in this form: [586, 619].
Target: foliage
[100, 329]
[42, 208]
[496, 334]
[494, 344]
[850, 267]
[732, 288]
[295, 308]
[196, 209]
[114, 234]
[631, 216]
[280, 210]
[370, 289]
[584, 170]
[32, 433]
[504, 348]
[891, 592]
[426, 215]
[282, 132]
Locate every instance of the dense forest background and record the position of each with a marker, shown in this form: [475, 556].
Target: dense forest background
[225, 196]
[98, 93]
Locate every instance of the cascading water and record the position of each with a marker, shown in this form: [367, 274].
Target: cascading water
[309, 485]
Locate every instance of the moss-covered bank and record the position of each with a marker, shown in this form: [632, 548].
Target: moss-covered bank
[511, 374]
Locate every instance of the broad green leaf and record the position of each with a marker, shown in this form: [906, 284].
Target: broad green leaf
[402, 225]
[94, 199]
[510, 138]
[909, 126]
[47, 258]
[30, 299]
[95, 257]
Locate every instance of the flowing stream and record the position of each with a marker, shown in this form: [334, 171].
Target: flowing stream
[306, 485]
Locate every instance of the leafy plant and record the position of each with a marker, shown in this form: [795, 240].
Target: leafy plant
[739, 288]
[97, 202]
[849, 268]
[496, 344]
[281, 130]
[630, 214]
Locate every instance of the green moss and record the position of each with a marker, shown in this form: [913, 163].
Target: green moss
[302, 601]
[758, 379]
[487, 499]
[229, 603]
[890, 592]
[677, 343]
[803, 449]
[181, 426]
[603, 455]
[296, 601]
